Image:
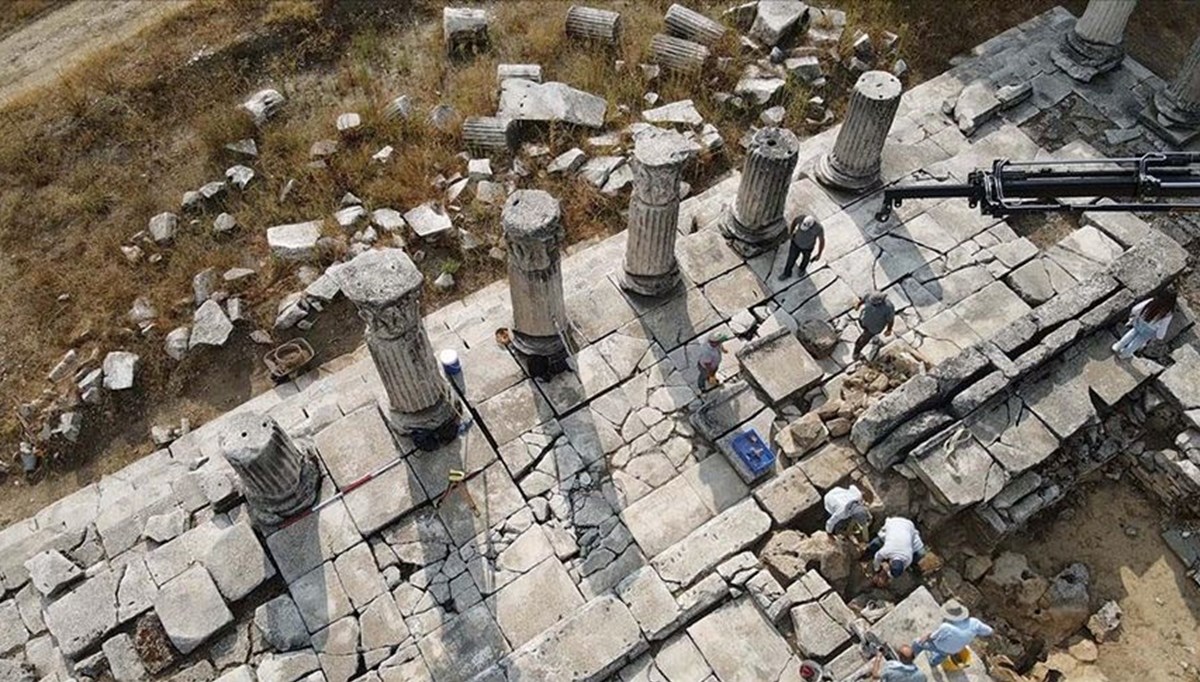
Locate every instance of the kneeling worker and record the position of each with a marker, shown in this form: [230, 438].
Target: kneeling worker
[896, 547]
[848, 514]
[903, 669]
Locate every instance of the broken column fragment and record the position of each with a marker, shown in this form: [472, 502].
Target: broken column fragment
[650, 265]
[594, 24]
[385, 286]
[279, 479]
[1095, 44]
[691, 25]
[488, 134]
[465, 30]
[1174, 112]
[756, 220]
[854, 163]
[678, 55]
[533, 231]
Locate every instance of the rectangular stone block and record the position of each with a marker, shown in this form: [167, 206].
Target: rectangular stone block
[589, 646]
[710, 544]
[879, 419]
[780, 365]
[313, 540]
[650, 602]
[788, 496]
[962, 476]
[356, 445]
[548, 587]
[740, 643]
[817, 634]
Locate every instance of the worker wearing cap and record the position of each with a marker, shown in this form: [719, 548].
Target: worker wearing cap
[896, 547]
[878, 316]
[947, 645]
[805, 235]
[847, 511]
[709, 360]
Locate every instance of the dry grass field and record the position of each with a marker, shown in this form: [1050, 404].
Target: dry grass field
[85, 163]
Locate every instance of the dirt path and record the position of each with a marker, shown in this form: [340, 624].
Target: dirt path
[37, 54]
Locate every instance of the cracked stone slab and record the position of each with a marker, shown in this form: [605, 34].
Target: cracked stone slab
[236, 561]
[191, 609]
[943, 337]
[736, 290]
[716, 540]
[470, 452]
[679, 319]
[487, 369]
[385, 498]
[549, 587]
[82, 617]
[313, 540]
[320, 597]
[990, 309]
[665, 516]
[592, 376]
[1013, 435]
[963, 476]
[704, 256]
[494, 494]
[467, 645]
[780, 365]
[356, 445]
[50, 572]
[590, 645]
[740, 643]
[514, 411]
[788, 496]
[599, 309]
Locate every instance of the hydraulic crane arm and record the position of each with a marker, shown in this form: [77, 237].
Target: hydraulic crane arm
[1153, 182]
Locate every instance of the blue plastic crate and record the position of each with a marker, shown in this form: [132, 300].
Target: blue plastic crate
[753, 453]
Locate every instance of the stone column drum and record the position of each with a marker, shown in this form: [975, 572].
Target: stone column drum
[853, 165]
[1094, 45]
[756, 220]
[385, 286]
[1175, 110]
[650, 265]
[533, 230]
[279, 479]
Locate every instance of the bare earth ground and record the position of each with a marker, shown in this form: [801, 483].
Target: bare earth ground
[36, 55]
[1161, 605]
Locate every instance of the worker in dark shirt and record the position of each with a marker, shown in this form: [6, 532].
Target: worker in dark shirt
[805, 235]
[878, 316]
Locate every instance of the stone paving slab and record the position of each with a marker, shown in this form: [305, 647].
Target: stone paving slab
[740, 644]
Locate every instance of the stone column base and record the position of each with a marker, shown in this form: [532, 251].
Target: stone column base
[828, 174]
[749, 243]
[437, 425]
[1083, 60]
[268, 515]
[1163, 117]
[650, 285]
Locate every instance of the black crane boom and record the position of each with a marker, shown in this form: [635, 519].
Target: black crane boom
[1146, 183]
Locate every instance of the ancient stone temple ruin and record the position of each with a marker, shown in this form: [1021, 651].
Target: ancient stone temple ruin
[579, 512]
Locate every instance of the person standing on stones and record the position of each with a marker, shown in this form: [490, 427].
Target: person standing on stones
[1148, 320]
[805, 234]
[897, 547]
[947, 645]
[709, 360]
[878, 316]
[848, 513]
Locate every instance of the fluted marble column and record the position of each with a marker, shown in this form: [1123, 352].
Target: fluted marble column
[1095, 44]
[533, 230]
[756, 220]
[385, 286]
[488, 134]
[677, 54]
[1175, 110]
[853, 165]
[650, 265]
[692, 25]
[594, 24]
[278, 478]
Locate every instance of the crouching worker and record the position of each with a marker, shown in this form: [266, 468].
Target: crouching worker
[897, 547]
[848, 514]
[947, 645]
[902, 669]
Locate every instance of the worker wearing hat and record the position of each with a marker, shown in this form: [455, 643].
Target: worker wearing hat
[947, 645]
[709, 360]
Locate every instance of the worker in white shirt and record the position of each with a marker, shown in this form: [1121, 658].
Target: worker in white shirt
[895, 549]
[848, 513]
